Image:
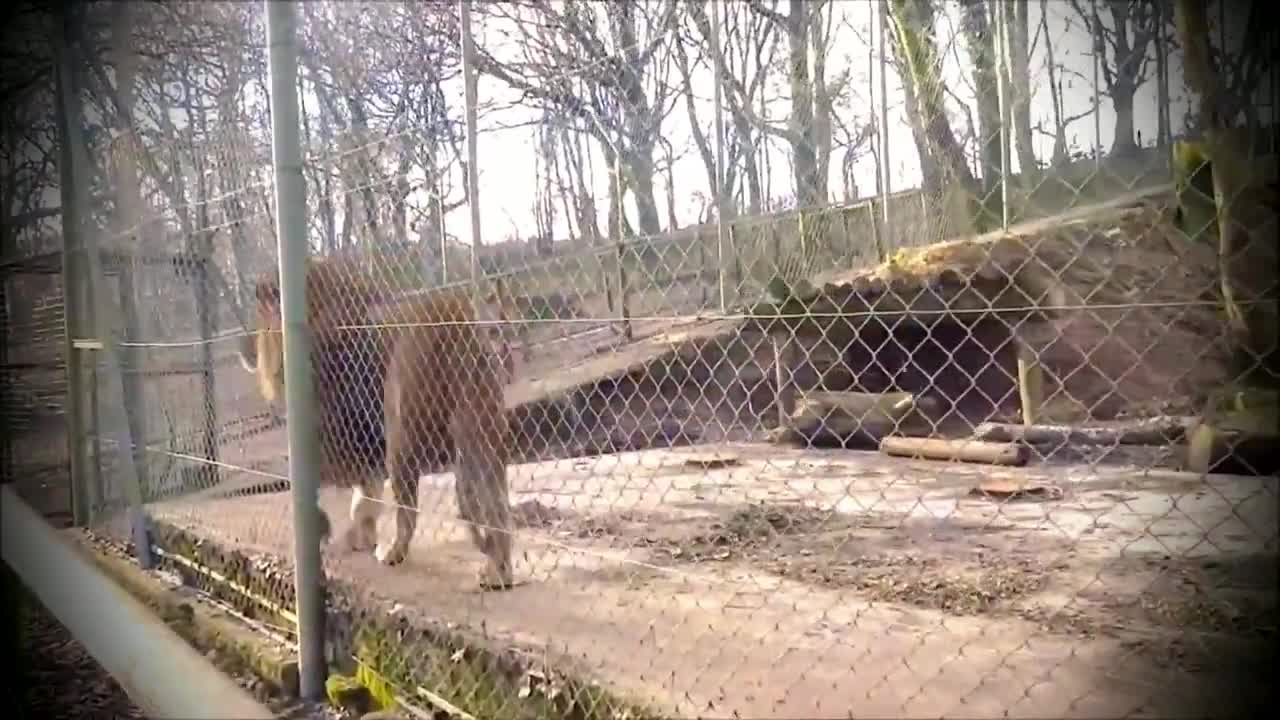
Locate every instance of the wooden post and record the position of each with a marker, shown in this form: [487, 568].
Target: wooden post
[1030, 383]
[784, 352]
[877, 232]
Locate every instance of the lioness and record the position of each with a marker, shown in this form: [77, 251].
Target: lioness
[402, 387]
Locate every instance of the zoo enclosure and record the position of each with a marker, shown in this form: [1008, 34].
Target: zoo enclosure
[857, 297]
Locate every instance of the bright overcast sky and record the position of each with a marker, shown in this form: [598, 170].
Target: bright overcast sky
[506, 156]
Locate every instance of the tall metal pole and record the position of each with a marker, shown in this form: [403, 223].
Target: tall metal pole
[1002, 95]
[291, 234]
[470, 91]
[1162, 86]
[1097, 91]
[885, 189]
[73, 276]
[721, 249]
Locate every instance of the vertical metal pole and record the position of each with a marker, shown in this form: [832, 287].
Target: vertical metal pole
[72, 270]
[1162, 88]
[1002, 95]
[6, 443]
[721, 249]
[291, 234]
[206, 312]
[887, 235]
[444, 239]
[87, 291]
[1097, 98]
[624, 313]
[470, 91]
[72, 295]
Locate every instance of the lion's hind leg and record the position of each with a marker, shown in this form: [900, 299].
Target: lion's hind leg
[483, 501]
[404, 493]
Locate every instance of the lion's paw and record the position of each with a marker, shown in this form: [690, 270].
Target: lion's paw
[392, 554]
[494, 579]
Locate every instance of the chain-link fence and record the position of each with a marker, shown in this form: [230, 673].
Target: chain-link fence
[879, 358]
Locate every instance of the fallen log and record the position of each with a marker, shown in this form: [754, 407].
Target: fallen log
[975, 451]
[852, 419]
[1148, 431]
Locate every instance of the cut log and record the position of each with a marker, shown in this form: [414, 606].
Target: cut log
[1150, 431]
[1030, 384]
[850, 419]
[974, 451]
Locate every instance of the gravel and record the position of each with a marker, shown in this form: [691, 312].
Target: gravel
[62, 680]
[60, 677]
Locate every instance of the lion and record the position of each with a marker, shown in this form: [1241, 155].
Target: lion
[403, 387]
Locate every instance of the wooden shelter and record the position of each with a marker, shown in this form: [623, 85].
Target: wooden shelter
[947, 321]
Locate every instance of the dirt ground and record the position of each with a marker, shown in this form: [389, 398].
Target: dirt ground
[780, 583]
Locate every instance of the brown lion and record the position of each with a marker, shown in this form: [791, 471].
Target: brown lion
[403, 386]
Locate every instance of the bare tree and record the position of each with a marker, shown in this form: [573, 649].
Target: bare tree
[749, 44]
[914, 40]
[809, 126]
[1121, 48]
[981, 46]
[1017, 79]
[599, 62]
[28, 166]
[1053, 70]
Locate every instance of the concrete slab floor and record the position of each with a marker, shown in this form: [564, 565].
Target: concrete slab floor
[880, 586]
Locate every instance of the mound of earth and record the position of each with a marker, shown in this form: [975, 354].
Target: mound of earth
[1120, 307]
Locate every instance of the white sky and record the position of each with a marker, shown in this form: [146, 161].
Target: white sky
[506, 156]
[507, 136]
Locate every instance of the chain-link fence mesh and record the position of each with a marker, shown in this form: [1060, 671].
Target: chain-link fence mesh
[834, 358]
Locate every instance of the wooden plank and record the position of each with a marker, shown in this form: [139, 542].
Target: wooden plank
[1147, 431]
[966, 450]
[623, 360]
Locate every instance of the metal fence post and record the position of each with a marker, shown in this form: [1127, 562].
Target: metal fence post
[207, 311]
[291, 234]
[470, 92]
[1002, 95]
[624, 313]
[134, 389]
[72, 273]
[1097, 92]
[90, 334]
[887, 235]
[6, 382]
[721, 247]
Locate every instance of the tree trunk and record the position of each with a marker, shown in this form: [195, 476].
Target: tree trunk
[930, 171]
[981, 46]
[1164, 133]
[913, 30]
[1059, 154]
[1122, 101]
[641, 185]
[809, 191]
[820, 136]
[1016, 19]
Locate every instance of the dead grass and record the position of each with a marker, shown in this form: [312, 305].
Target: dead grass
[957, 573]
